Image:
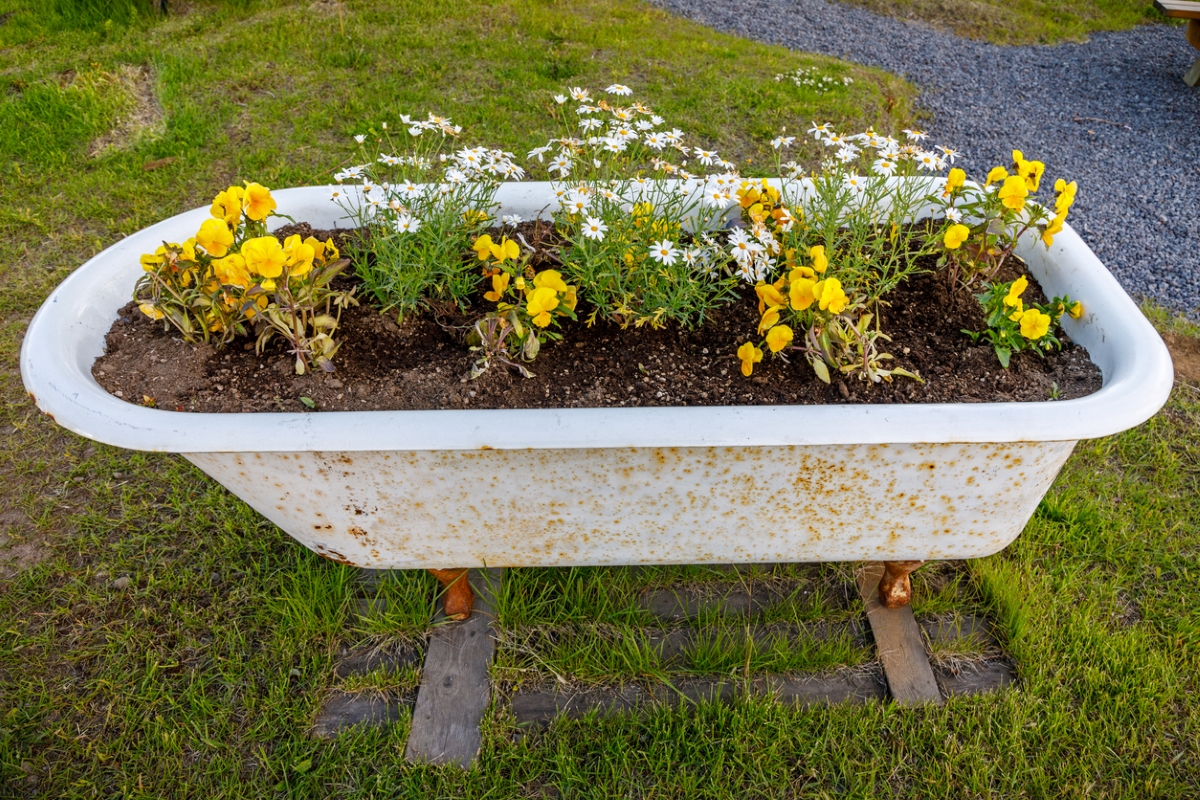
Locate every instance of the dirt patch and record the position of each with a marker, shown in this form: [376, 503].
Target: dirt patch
[144, 117]
[19, 550]
[1185, 353]
[423, 364]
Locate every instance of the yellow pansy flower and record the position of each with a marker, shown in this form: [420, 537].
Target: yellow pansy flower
[299, 256]
[499, 285]
[1055, 226]
[227, 206]
[801, 293]
[801, 272]
[231, 271]
[1013, 298]
[955, 236]
[188, 249]
[768, 295]
[817, 254]
[829, 296]
[215, 237]
[264, 256]
[1034, 324]
[997, 174]
[539, 304]
[318, 248]
[1013, 192]
[550, 279]
[331, 252]
[1029, 171]
[779, 337]
[150, 261]
[749, 355]
[769, 318]
[150, 311]
[570, 298]
[257, 202]
[954, 180]
[1076, 310]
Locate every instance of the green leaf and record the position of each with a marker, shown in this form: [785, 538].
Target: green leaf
[822, 371]
[303, 766]
[1003, 353]
[308, 401]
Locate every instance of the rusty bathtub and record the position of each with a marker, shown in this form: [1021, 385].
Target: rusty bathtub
[558, 487]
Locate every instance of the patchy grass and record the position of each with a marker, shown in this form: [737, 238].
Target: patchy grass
[1021, 21]
[172, 643]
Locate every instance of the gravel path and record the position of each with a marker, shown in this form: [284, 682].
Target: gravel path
[1136, 155]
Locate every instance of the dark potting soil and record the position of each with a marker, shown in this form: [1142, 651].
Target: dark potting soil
[421, 364]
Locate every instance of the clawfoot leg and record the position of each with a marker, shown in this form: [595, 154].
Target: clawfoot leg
[458, 599]
[895, 590]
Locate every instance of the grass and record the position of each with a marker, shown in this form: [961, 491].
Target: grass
[201, 676]
[1021, 21]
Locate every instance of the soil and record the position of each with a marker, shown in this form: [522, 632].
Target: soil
[1185, 353]
[423, 364]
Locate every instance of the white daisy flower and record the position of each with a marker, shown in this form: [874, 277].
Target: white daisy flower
[590, 123]
[953, 214]
[336, 193]
[782, 141]
[360, 138]
[406, 223]
[538, 153]
[846, 154]
[664, 252]
[929, 161]
[390, 161]
[915, 136]
[511, 219]
[884, 166]
[579, 95]
[742, 247]
[655, 141]
[577, 202]
[594, 228]
[614, 145]
[820, 131]
[560, 164]
[855, 183]
[656, 120]
[718, 198]
[617, 88]
[560, 98]
[409, 190]
[643, 125]
[948, 154]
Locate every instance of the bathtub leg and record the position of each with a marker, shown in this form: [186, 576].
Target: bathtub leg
[895, 590]
[458, 599]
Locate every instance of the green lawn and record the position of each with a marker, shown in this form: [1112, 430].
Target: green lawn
[201, 678]
[1021, 21]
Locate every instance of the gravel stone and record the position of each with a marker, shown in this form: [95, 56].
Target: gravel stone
[1112, 113]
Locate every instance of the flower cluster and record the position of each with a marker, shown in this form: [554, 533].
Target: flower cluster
[1013, 327]
[990, 219]
[813, 78]
[527, 304]
[421, 203]
[639, 224]
[233, 277]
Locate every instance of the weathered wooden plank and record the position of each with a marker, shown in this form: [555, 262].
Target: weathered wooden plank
[1192, 76]
[536, 707]
[898, 640]
[342, 711]
[454, 691]
[1180, 9]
